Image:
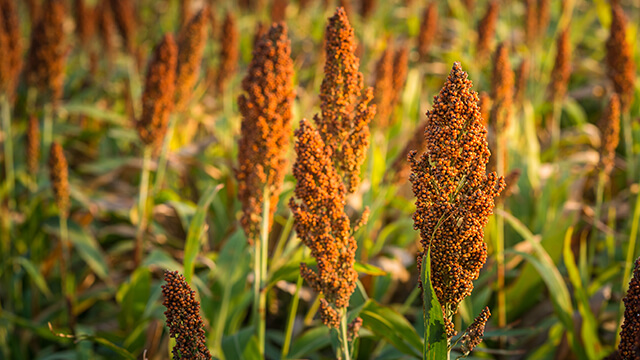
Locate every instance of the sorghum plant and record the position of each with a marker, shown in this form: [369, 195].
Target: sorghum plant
[105, 28]
[191, 42]
[522, 74]
[486, 30]
[400, 69]
[383, 88]
[428, 29]
[628, 347]
[323, 226]
[85, 24]
[561, 68]
[11, 47]
[610, 134]
[345, 105]
[125, 19]
[620, 66]
[33, 146]
[183, 318]
[454, 193]
[228, 51]
[400, 166]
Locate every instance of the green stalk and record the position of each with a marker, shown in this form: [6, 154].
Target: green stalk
[293, 310]
[222, 317]
[627, 132]
[260, 275]
[555, 125]
[64, 264]
[502, 299]
[47, 130]
[142, 204]
[602, 179]
[8, 150]
[162, 160]
[286, 231]
[343, 352]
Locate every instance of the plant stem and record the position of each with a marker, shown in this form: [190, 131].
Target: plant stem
[555, 125]
[291, 318]
[47, 130]
[8, 151]
[260, 275]
[64, 264]
[627, 132]
[343, 352]
[286, 231]
[162, 160]
[501, 169]
[142, 204]
[602, 179]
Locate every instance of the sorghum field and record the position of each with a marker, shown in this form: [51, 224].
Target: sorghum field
[254, 179]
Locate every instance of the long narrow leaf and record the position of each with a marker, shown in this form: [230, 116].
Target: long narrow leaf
[435, 335]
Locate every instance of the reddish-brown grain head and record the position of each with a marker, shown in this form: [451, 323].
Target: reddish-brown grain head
[59, 175]
[475, 331]
[345, 104]
[610, 133]
[11, 43]
[45, 61]
[106, 27]
[502, 84]
[522, 74]
[183, 318]
[125, 18]
[367, 7]
[33, 145]
[383, 89]
[228, 51]
[266, 127]
[158, 95]
[487, 29]
[454, 193]
[620, 66]
[279, 10]
[630, 333]
[191, 43]
[428, 29]
[85, 22]
[561, 68]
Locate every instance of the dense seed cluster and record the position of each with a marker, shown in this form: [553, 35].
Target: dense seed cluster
[85, 23]
[183, 318]
[157, 98]
[59, 174]
[454, 193]
[125, 19]
[428, 29]
[620, 66]
[400, 167]
[610, 129]
[501, 90]
[266, 127]
[322, 224]
[475, 332]
[487, 29]
[10, 45]
[191, 42]
[228, 51]
[630, 333]
[345, 106]
[561, 68]
[383, 89]
[522, 75]
[45, 61]
[33, 145]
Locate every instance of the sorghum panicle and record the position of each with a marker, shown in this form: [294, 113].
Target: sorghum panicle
[33, 145]
[266, 127]
[12, 48]
[33, 7]
[322, 224]
[620, 66]
[487, 29]
[260, 30]
[502, 84]
[475, 332]
[544, 13]
[428, 29]
[561, 68]
[191, 44]
[125, 18]
[85, 23]
[454, 193]
[59, 174]
[610, 129]
[383, 88]
[531, 21]
[183, 318]
[157, 98]
[185, 12]
[279, 10]
[228, 51]
[345, 104]
[105, 27]
[45, 61]
[367, 8]
[630, 333]
[400, 69]
[485, 108]
[522, 75]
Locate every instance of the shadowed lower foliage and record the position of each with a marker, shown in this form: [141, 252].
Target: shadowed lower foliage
[454, 193]
[183, 318]
[345, 105]
[157, 98]
[266, 127]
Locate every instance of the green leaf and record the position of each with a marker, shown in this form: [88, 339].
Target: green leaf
[132, 297]
[392, 326]
[35, 275]
[310, 342]
[235, 344]
[369, 269]
[435, 335]
[89, 250]
[196, 229]
[124, 354]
